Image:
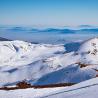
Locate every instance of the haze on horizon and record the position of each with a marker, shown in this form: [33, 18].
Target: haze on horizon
[48, 12]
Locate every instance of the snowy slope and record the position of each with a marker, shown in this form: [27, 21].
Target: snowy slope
[87, 89]
[21, 60]
[47, 64]
[89, 51]
[20, 53]
[71, 72]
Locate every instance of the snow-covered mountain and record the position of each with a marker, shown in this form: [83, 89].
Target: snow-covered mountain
[18, 58]
[75, 66]
[41, 64]
[36, 62]
[89, 51]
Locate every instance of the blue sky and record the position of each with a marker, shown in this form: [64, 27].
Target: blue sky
[48, 12]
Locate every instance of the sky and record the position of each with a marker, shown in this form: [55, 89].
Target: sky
[49, 12]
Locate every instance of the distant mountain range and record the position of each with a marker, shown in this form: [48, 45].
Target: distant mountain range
[65, 30]
[94, 30]
[4, 39]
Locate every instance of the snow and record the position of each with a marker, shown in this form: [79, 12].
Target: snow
[20, 53]
[89, 51]
[49, 64]
[24, 59]
[87, 89]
